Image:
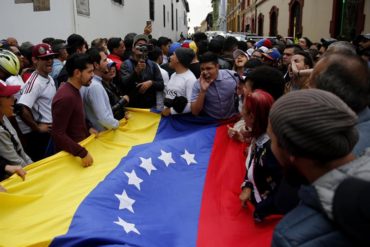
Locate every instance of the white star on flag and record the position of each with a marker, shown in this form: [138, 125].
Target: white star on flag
[189, 157]
[128, 227]
[166, 158]
[125, 202]
[133, 179]
[147, 165]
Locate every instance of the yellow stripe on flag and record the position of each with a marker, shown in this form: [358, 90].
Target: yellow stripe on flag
[40, 208]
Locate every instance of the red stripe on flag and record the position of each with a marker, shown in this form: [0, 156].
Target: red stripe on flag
[223, 221]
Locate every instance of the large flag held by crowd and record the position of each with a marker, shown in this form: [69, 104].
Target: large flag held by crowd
[167, 182]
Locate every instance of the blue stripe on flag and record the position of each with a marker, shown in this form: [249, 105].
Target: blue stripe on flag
[153, 197]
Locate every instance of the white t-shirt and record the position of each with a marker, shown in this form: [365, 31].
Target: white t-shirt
[160, 94]
[37, 94]
[165, 59]
[180, 85]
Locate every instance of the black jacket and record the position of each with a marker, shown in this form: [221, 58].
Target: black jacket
[130, 80]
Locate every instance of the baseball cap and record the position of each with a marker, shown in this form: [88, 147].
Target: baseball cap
[173, 47]
[250, 52]
[7, 90]
[140, 37]
[111, 63]
[42, 50]
[272, 54]
[264, 42]
[327, 41]
[264, 49]
[238, 52]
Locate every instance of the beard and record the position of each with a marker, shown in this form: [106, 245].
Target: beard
[87, 83]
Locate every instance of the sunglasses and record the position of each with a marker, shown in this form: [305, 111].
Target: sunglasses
[47, 58]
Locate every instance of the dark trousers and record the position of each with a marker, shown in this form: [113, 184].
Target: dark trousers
[36, 145]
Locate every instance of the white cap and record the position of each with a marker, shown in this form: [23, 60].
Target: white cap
[239, 52]
[250, 51]
[264, 49]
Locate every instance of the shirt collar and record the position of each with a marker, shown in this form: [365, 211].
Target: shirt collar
[219, 76]
[98, 78]
[262, 140]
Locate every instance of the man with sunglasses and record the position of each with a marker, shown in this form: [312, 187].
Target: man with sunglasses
[35, 103]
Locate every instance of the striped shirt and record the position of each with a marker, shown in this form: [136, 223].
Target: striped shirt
[220, 101]
[37, 94]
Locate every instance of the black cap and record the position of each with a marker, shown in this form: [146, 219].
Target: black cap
[327, 41]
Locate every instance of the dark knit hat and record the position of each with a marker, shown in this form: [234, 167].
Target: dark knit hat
[315, 124]
[140, 37]
[185, 56]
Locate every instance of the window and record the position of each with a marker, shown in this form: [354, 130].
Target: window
[274, 13]
[185, 24]
[177, 24]
[151, 9]
[242, 5]
[260, 24]
[164, 15]
[118, 1]
[348, 19]
[295, 18]
[172, 23]
[253, 25]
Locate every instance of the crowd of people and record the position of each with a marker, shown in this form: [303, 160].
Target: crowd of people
[302, 109]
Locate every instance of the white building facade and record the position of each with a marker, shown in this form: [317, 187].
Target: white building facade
[92, 18]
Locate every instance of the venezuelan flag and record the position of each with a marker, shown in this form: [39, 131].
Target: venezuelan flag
[155, 181]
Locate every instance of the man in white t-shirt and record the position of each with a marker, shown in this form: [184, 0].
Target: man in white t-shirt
[35, 103]
[179, 89]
